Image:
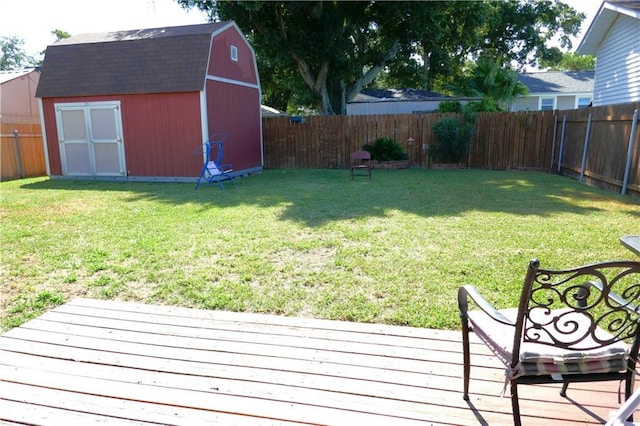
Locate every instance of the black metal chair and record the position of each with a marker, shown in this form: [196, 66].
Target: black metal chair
[574, 325]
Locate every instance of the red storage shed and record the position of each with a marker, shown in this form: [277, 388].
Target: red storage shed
[135, 105]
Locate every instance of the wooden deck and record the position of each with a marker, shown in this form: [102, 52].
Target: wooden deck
[92, 361]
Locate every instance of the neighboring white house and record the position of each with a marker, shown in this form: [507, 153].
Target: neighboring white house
[397, 101]
[555, 90]
[614, 38]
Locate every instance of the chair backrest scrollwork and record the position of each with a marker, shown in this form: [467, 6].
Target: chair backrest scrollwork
[582, 308]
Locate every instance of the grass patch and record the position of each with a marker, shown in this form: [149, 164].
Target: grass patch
[302, 242]
[29, 306]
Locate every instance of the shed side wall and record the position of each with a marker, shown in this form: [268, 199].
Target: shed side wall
[235, 110]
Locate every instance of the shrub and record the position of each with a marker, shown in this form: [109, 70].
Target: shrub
[449, 106]
[472, 109]
[452, 138]
[385, 149]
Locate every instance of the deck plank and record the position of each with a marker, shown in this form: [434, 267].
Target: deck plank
[130, 362]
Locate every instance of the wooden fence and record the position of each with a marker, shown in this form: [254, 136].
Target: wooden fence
[520, 140]
[599, 146]
[21, 151]
[537, 140]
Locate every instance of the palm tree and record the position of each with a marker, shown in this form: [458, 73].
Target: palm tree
[489, 80]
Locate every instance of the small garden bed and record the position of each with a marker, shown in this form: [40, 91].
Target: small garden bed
[448, 166]
[391, 165]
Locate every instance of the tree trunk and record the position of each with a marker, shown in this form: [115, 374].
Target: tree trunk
[317, 84]
[426, 56]
[357, 86]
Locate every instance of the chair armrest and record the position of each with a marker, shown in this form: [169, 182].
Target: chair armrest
[615, 297]
[470, 292]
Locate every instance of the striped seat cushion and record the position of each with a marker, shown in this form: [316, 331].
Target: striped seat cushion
[537, 359]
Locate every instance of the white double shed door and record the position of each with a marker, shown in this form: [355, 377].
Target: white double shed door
[90, 138]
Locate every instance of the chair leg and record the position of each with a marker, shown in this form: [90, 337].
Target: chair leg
[466, 359]
[515, 405]
[628, 390]
[563, 391]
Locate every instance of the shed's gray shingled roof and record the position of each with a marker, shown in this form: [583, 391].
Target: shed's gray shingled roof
[156, 60]
[558, 82]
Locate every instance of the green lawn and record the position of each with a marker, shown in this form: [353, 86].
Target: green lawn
[302, 242]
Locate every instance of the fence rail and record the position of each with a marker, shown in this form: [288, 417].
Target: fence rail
[21, 151]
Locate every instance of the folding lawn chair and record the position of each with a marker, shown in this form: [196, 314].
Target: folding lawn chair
[213, 170]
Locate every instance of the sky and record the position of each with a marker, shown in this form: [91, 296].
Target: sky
[34, 20]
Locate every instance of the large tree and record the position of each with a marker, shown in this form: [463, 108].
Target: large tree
[571, 61]
[13, 55]
[336, 47]
[339, 47]
[442, 35]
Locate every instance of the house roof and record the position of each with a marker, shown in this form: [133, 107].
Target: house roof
[558, 82]
[155, 60]
[11, 75]
[268, 111]
[395, 95]
[607, 14]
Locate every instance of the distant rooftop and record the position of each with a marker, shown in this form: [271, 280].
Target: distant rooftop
[558, 81]
[395, 95]
[628, 4]
[10, 75]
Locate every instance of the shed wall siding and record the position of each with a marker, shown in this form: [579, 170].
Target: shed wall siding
[160, 132]
[220, 63]
[235, 110]
[617, 77]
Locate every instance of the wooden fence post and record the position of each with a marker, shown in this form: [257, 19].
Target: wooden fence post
[16, 144]
[553, 142]
[564, 126]
[632, 138]
[586, 149]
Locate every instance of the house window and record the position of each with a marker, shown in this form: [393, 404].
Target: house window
[583, 102]
[234, 53]
[547, 104]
